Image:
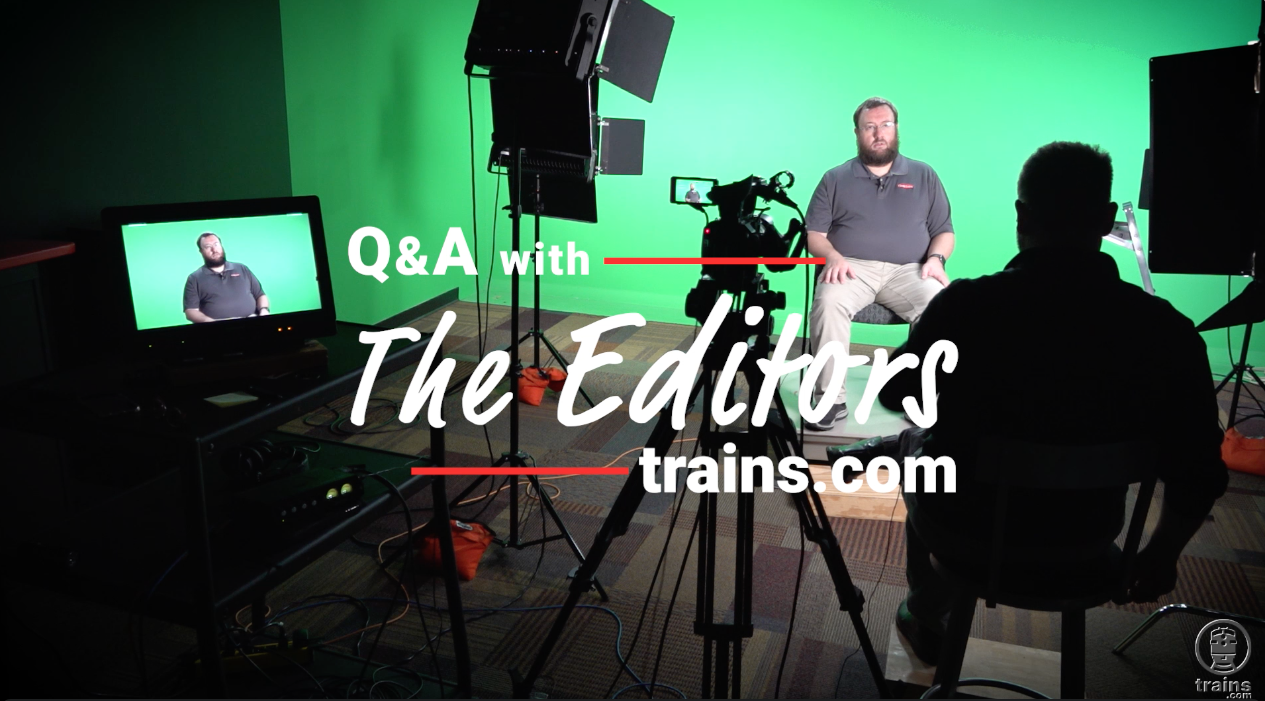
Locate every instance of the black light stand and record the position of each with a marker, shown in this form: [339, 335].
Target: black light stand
[515, 457]
[536, 333]
[541, 58]
[1246, 310]
[722, 652]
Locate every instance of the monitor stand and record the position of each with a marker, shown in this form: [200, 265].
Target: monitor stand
[265, 363]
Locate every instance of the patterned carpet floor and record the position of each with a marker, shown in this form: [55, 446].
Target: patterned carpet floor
[509, 604]
[1223, 568]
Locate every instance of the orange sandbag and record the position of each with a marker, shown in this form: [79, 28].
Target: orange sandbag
[1242, 453]
[557, 378]
[469, 541]
[531, 386]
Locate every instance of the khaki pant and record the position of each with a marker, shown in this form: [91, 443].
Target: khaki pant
[900, 288]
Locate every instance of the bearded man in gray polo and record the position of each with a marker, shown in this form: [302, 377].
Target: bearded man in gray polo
[881, 221]
[220, 288]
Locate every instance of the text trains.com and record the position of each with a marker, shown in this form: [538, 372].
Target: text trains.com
[427, 387]
[705, 474]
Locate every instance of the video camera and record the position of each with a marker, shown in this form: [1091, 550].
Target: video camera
[742, 231]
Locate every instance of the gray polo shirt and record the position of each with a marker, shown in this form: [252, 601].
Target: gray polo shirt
[222, 295]
[891, 219]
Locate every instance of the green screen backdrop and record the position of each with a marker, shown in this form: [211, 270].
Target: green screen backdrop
[276, 248]
[377, 108]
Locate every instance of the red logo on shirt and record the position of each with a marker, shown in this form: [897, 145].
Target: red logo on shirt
[234, 274]
[905, 186]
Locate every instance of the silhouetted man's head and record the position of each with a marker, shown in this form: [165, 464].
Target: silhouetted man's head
[875, 126]
[212, 250]
[1065, 197]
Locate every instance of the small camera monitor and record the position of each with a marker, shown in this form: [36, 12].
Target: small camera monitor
[692, 190]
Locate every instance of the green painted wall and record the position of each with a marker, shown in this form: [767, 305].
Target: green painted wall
[376, 99]
[127, 102]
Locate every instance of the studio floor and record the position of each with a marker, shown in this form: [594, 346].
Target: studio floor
[1224, 568]
[509, 604]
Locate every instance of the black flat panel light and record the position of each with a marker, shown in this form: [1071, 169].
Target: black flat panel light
[1206, 179]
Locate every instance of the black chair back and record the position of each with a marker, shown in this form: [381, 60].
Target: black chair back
[1009, 463]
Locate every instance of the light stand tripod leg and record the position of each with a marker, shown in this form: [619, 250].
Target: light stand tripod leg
[1238, 375]
[851, 599]
[615, 525]
[547, 505]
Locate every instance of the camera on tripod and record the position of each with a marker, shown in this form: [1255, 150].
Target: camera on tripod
[742, 233]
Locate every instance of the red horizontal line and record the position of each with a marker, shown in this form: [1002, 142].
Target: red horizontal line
[714, 261]
[520, 471]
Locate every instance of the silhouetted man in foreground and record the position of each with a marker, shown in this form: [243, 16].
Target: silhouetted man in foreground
[1056, 348]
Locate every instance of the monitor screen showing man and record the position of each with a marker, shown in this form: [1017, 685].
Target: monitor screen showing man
[692, 190]
[271, 270]
[221, 289]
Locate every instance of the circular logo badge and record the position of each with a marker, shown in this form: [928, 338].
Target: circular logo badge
[1223, 647]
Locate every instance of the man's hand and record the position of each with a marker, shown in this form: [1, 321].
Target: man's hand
[933, 268]
[196, 316]
[1154, 575]
[837, 270]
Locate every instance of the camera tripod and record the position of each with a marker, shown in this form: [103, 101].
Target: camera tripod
[722, 652]
[515, 457]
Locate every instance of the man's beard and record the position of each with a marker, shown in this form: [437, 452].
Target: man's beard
[214, 262]
[870, 158]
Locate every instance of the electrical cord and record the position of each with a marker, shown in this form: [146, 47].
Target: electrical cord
[420, 678]
[408, 561]
[140, 617]
[481, 332]
[336, 425]
[336, 599]
[432, 639]
[485, 317]
[658, 658]
[678, 502]
[474, 212]
[273, 651]
[487, 292]
[229, 634]
[663, 636]
[485, 612]
[887, 552]
[790, 628]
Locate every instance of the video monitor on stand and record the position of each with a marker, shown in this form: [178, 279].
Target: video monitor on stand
[212, 281]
